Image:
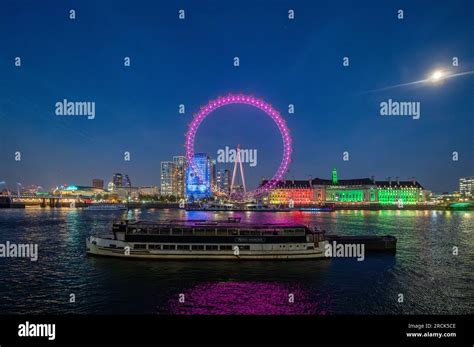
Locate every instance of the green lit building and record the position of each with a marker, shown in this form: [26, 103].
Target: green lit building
[347, 191]
[367, 190]
[400, 192]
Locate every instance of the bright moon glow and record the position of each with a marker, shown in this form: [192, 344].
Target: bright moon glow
[437, 75]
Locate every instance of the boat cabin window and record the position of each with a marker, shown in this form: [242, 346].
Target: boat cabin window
[197, 247]
[139, 246]
[177, 231]
[169, 247]
[244, 232]
[199, 232]
[187, 231]
[255, 232]
[204, 232]
[244, 248]
[294, 232]
[212, 247]
[183, 247]
[154, 247]
[221, 232]
[210, 232]
[226, 248]
[165, 231]
[153, 230]
[233, 232]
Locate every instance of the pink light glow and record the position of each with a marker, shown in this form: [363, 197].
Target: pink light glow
[260, 104]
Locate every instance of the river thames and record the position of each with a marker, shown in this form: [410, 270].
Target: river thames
[424, 269]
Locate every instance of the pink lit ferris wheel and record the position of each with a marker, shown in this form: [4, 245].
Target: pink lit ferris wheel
[255, 102]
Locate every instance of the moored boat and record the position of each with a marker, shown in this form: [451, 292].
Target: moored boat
[105, 207]
[201, 239]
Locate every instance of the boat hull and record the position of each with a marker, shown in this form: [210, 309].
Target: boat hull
[101, 247]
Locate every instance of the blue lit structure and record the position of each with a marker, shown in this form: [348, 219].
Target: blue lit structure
[198, 186]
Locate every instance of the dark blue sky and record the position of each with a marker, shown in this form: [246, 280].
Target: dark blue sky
[191, 61]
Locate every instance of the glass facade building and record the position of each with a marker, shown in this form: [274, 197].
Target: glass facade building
[198, 178]
[180, 162]
[466, 186]
[168, 178]
[117, 180]
[223, 180]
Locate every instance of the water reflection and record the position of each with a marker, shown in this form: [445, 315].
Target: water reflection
[254, 298]
[424, 268]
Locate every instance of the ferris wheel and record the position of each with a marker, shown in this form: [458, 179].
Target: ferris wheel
[269, 111]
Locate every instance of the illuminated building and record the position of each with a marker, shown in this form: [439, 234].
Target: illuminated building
[98, 183]
[169, 178]
[180, 162]
[117, 180]
[127, 182]
[301, 192]
[80, 191]
[213, 173]
[223, 180]
[400, 192]
[466, 186]
[32, 189]
[347, 191]
[149, 191]
[198, 178]
[136, 192]
[110, 186]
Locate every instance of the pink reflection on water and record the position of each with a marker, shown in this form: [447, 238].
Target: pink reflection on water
[248, 298]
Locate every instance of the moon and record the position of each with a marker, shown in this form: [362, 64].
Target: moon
[433, 78]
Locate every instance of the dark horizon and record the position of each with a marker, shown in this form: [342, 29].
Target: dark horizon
[190, 62]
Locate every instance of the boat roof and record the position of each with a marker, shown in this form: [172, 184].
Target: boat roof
[209, 223]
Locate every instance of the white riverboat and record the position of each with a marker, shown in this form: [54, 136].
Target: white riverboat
[201, 239]
[105, 207]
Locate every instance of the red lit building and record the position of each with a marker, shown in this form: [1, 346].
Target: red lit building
[301, 192]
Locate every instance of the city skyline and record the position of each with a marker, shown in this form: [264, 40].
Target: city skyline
[222, 177]
[284, 62]
[106, 183]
